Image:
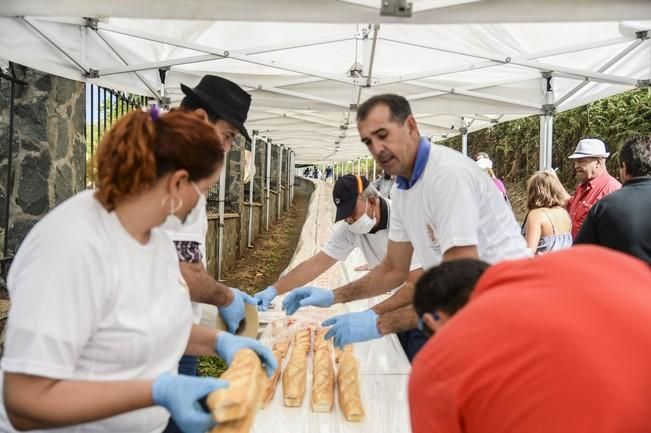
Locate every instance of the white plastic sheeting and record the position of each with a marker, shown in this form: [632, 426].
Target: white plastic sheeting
[384, 369]
[307, 78]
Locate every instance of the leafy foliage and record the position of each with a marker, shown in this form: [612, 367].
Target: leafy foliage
[513, 146]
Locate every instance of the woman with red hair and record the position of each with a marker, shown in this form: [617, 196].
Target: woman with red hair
[100, 314]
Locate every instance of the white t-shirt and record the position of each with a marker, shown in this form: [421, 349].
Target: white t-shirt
[194, 232]
[455, 203]
[342, 242]
[91, 303]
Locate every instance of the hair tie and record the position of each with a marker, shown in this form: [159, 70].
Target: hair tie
[154, 113]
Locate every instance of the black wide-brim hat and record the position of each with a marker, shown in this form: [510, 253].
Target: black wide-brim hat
[224, 98]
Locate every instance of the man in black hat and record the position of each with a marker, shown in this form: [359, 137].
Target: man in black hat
[365, 215]
[225, 105]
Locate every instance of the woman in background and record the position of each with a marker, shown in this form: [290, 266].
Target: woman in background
[487, 165]
[547, 226]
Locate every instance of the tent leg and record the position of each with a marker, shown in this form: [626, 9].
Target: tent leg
[251, 180]
[268, 170]
[546, 139]
[464, 140]
[222, 196]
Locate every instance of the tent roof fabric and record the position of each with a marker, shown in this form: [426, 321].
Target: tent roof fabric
[306, 79]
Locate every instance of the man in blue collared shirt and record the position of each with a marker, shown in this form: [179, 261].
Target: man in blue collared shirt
[445, 208]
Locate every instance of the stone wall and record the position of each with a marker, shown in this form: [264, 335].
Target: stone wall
[49, 148]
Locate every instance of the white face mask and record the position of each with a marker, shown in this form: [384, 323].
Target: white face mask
[364, 224]
[174, 223]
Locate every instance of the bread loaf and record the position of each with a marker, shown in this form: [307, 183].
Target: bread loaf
[323, 381]
[347, 348]
[302, 340]
[279, 350]
[294, 378]
[282, 347]
[349, 389]
[242, 397]
[319, 340]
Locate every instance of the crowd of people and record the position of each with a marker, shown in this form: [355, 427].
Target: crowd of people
[509, 327]
[519, 329]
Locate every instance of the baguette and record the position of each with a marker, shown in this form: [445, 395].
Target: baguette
[338, 352]
[279, 350]
[323, 381]
[242, 397]
[319, 340]
[294, 378]
[302, 340]
[348, 383]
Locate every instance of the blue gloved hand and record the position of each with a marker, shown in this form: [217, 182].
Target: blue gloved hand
[264, 297]
[352, 328]
[228, 345]
[233, 313]
[307, 295]
[179, 394]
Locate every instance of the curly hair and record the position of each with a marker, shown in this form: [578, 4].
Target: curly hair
[139, 150]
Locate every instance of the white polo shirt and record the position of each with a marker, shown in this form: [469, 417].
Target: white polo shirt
[91, 303]
[454, 203]
[373, 245]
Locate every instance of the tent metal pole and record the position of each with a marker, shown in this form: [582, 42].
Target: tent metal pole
[268, 179]
[464, 140]
[603, 68]
[254, 138]
[547, 124]
[222, 196]
[48, 37]
[374, 169]
[280, 179]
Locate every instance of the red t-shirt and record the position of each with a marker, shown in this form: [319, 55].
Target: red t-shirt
[586, 195]
[558, 343]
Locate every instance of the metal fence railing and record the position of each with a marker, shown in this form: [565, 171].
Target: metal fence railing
[12, 80]
[103, 107]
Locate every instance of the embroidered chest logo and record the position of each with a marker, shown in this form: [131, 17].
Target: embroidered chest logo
[337, 201]
[430, 232]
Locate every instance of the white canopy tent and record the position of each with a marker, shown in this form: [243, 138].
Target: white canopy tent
[308, 64]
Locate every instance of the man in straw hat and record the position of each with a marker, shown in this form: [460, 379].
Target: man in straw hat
[594, 181]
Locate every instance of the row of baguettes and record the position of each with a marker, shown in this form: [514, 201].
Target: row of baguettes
[323, 376]
[234, 408]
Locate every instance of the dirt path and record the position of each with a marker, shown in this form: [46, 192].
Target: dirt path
[273, 250]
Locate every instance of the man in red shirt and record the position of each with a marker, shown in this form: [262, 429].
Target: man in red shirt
[594, 181]
[558, 343]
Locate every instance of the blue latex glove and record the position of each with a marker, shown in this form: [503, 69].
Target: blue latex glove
[233, 313]
[352, 328]
[228, 345]
[307, 295]
[179, 395]
[264, 297]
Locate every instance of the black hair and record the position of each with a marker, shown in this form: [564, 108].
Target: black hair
[191, 103]
[398, 105]
[636, 154]
[447, 287]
